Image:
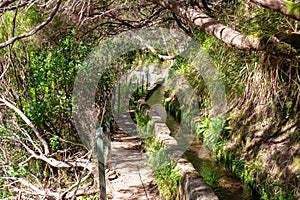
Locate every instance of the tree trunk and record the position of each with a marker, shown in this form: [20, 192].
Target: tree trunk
[212, 26]
[224, 33]
[277, 5]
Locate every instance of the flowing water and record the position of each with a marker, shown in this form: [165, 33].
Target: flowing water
[213, 172]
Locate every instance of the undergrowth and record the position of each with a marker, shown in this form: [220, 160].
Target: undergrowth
[263, 95]
[263, 91]
[165, 174]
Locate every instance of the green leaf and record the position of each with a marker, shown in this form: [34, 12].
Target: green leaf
[292, 7]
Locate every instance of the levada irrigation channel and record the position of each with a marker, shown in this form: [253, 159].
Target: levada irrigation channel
[212, 171]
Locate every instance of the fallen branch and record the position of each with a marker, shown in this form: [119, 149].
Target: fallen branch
[46, 193]
[70, 163]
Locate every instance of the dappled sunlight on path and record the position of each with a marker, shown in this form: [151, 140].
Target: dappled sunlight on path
[133, 179]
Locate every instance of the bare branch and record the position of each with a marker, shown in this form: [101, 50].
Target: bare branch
[81, 179]
[101, 15]
[68, 193]
[70, 163]
[27, 160]
[4, 154]
[14, 7]
[34, 189]
[31, 141]
[18, 139]
[163, 57]
[14, 19]
[6, 3]
[4, 71]
[29, 123]
[46, 193]
[277, 5]
[35, 30]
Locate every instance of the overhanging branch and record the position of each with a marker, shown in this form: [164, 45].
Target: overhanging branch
[277, 5]
[35, 30]
[224, 33]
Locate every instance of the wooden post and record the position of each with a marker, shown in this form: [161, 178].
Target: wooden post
[129, 86]
[119, 94]
[147, 77]
[143, 84]
[137, 86]
[100, 153]
[126, 88]
[114, 100]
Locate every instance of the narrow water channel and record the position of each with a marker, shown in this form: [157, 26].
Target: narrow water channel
[213, 173]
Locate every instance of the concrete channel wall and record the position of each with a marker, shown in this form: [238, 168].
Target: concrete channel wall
[192, 186]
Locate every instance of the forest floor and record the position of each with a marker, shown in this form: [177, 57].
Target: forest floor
[128, 176]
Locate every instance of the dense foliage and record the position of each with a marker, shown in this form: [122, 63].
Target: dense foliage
[254, 44]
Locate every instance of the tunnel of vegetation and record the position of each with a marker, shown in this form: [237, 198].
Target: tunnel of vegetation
[254, 44]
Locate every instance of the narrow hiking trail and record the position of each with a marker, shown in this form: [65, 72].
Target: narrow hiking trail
[128, 176]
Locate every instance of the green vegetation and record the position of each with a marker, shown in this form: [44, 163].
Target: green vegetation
[166, 176]
[47, 102]
[292, 7]
[41, 47]
[50, 80]
[247, 76]
[250, 81]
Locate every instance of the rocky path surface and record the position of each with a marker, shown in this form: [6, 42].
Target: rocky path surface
[128, 177]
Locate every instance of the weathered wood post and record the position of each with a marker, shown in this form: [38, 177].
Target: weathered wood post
[100, 153]
[129, 86]
[119, 94]
[147, 84]
[142, 84]
[137, 85]
[113, 100]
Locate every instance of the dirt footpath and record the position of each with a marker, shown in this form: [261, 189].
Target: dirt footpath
[128, 177]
